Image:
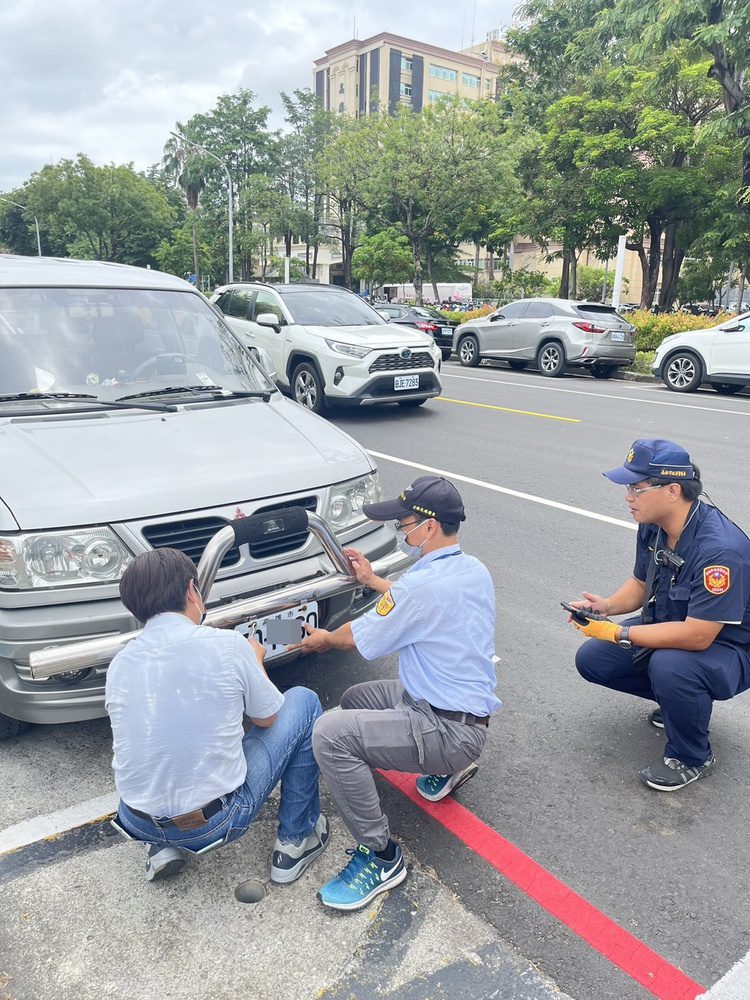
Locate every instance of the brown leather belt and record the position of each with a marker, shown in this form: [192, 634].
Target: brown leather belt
[186, 821]
[465, 717]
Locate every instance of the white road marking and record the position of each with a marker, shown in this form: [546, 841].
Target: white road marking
[735, 985]
[53, 824]
[601, 395]
[508, 492]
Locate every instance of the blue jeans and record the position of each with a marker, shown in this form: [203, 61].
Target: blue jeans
[282, 752]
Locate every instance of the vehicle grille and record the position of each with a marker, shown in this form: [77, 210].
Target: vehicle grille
[394, 362]
[192, 536]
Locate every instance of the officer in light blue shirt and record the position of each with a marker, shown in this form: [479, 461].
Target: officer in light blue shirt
[440, 618]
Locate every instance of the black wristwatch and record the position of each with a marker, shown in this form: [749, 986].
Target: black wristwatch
[624, 641]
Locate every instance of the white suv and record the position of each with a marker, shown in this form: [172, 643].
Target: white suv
[719, 355]
[328, 346]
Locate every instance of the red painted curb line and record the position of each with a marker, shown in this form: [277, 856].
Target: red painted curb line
[654, 973]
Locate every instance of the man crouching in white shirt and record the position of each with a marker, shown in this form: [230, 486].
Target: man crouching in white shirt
[187, 773]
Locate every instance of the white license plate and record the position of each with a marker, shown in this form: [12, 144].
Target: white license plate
[307, 613]
[406, 382]
[618, 336]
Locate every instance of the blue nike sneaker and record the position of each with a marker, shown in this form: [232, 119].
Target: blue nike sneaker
[364, 878]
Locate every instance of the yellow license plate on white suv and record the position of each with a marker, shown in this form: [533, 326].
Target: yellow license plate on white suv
[406, 382]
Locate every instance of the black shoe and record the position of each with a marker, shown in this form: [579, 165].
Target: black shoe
[668, 774]
[655, 719]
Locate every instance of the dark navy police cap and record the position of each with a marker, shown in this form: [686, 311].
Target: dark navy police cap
[653, 460]
[429, 496]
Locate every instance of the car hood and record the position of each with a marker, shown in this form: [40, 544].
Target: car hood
[375, 337]
[116, 465]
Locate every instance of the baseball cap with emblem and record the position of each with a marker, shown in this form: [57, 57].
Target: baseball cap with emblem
[429, 496]
[655, 459]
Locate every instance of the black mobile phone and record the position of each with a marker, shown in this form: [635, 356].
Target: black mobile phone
[577, 614]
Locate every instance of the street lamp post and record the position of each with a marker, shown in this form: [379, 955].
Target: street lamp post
[202, 149]
[36, 221]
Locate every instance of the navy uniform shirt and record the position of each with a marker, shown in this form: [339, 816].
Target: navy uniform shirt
[714, 583]
[440, 618]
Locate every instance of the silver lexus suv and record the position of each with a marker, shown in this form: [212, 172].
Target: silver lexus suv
[553, 334]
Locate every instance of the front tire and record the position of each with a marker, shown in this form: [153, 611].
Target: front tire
[683, 372]
[446, 352]
[726, 388]
[550, 359]
[468, 351]
[307, 388]
[603, 371]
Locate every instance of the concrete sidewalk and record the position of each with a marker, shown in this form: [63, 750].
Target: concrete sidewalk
[79, 922]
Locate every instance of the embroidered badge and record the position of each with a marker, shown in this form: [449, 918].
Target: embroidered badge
[716, 579]
[386, 604]
[631, 456]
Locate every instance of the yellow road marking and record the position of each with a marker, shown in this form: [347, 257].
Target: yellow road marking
[508, 409]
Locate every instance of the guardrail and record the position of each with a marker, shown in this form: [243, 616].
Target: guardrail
[98, 652]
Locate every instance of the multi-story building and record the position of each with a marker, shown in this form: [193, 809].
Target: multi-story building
[362, 76]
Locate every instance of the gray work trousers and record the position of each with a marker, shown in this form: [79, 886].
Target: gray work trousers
[380, 725]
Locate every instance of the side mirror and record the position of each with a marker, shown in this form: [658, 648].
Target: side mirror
[269, 319]
[495, 317]
[734, 328]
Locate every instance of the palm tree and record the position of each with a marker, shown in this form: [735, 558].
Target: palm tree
[186, 169]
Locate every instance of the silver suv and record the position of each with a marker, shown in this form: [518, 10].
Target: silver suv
[131, 417]
[553, 334]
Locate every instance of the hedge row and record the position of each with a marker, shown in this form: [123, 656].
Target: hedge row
[651, 330]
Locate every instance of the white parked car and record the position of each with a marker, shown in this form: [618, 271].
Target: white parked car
[719, 356]
[328, 346]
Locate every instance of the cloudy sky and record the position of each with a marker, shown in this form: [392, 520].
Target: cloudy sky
[110, 77]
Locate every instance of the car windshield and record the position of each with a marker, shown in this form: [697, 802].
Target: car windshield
[321, 307]
[113, 342]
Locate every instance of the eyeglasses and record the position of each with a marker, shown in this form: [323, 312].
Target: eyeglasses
[410, 524]
[634, 492]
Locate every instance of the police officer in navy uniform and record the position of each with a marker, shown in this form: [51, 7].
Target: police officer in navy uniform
[690, 645]
[432, 721]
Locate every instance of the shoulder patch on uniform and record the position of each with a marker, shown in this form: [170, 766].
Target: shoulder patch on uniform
[386, 604]
[716, 579]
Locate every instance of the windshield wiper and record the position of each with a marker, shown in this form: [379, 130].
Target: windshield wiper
[84, 397]
[216, 391]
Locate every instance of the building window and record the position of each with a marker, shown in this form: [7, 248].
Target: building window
[406, 90]
[488, 84]
[406, 64]
[470, 80]
[341, 88]
[437, 95]
[341, 107]
[442, 73]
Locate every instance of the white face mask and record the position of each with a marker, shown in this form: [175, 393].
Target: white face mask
[201, 610]
[404, 546]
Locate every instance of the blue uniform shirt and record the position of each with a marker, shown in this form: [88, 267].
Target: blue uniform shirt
[440, 618]
[714, 583]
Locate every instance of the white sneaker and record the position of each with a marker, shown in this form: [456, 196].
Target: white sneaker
[163, 861]
[289, 861]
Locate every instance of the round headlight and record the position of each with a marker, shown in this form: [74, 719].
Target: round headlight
[100, 558]
[341, 509]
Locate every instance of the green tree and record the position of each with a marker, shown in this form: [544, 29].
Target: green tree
[103, 213]
[176, 255]
[384, 257]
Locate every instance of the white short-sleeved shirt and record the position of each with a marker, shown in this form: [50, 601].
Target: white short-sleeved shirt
[176, 697]
[440, 618]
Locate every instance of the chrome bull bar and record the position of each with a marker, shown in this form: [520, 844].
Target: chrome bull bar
[92, 653]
